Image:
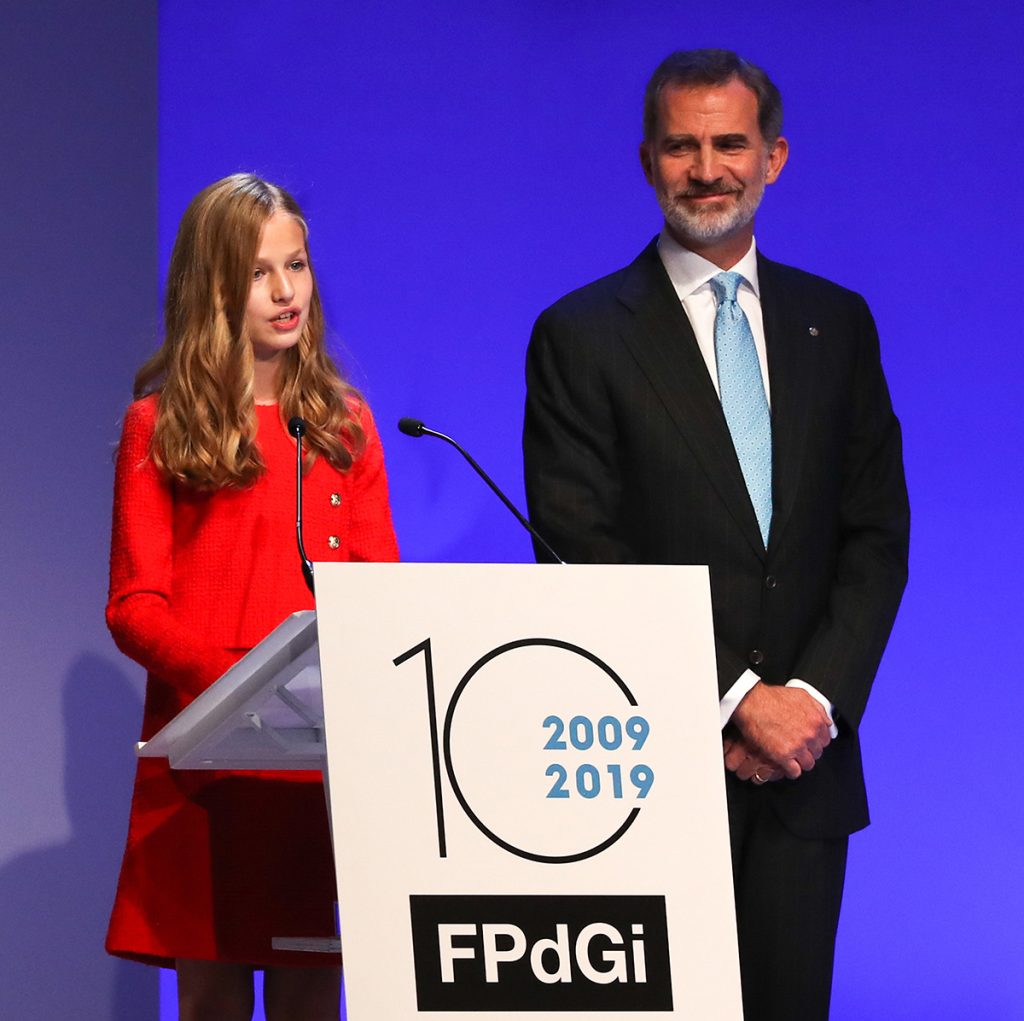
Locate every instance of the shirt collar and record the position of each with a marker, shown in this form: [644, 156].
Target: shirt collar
[689, 271]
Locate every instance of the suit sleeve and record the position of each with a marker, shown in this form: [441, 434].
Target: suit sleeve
[573, 483]
[139, 612]
[371, 533]
[844, 651]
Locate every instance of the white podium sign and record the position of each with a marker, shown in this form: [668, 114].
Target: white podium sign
[527, 792]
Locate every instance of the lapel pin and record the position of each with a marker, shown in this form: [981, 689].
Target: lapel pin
[812, 330]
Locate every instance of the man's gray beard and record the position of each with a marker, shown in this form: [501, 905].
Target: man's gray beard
[706, 227]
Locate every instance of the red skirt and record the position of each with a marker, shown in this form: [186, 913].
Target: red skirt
[219, 863]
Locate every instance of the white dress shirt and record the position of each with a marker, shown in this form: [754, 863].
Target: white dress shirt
[691, 274]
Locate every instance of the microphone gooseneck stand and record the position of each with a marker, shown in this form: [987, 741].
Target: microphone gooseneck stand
[297, 427]
[414, 427]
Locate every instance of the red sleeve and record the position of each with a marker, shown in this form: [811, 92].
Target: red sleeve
[372, 535]
[139, 611]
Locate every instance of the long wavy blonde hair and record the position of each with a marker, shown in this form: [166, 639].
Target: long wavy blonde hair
[205, 434]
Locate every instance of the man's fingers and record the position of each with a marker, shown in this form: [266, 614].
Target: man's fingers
[779, 755]
[734, 755]
[753, 767]
[805, 759]
[758, 772]
[792, 769]
[766, 773]
[747, 768]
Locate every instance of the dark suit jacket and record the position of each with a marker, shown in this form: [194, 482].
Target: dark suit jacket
[629, 459]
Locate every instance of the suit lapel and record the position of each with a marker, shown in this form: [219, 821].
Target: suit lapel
[665, 348]
[789, 372]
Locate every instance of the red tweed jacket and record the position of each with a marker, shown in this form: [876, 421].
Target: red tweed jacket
[196, 579]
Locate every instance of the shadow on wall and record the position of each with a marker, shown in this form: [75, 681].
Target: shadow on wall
[56, 901]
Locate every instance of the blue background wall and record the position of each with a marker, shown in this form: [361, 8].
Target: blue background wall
[79, 270]
[462, 166]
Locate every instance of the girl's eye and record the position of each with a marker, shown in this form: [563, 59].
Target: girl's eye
[257, 273]
[298, 264]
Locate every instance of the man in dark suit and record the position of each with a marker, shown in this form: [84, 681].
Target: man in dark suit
[705, 405]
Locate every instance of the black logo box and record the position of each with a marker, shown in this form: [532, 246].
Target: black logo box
[518, 988]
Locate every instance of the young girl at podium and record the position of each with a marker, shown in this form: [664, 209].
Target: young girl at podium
[203, 565]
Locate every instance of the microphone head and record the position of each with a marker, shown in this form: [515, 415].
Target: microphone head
[297, 427]
[410, 426]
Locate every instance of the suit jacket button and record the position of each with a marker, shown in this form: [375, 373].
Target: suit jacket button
[756, 657]
[333, 541]
[335, 499]
[770, 581]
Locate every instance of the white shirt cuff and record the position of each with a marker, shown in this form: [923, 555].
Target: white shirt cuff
[735, 694]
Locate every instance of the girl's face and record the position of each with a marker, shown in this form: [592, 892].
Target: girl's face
[281, 288]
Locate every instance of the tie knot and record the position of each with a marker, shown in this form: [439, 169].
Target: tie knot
[725, 286]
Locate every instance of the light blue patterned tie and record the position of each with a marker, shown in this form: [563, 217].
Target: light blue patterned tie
[743, 398]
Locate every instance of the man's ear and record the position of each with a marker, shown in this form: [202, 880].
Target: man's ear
[777, 156]
[645, 161]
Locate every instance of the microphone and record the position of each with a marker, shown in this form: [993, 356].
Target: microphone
[297, 427]
[411, 426]
[414, 427]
